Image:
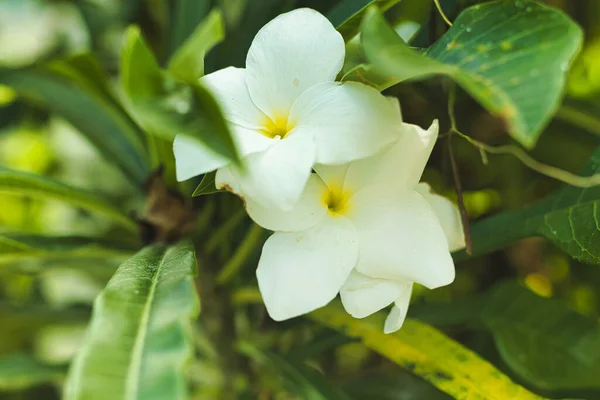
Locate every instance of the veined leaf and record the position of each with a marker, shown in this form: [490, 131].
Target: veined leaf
[569, 218]
[347, 14]
[427, 353]
[187, 63]
[19, 371]
[139, 338]
[165, 107]
[17, 182]
[550, 346]
[511, 56]
[206, 185]
[98, 120]
[27, 246]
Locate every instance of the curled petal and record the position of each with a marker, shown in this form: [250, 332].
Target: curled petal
[399, 167]
[363, 296]
[302, 271]
[397, 314]
[401, 238]
[349, 121]
[448, 215]
[291, 53]
[308, 211]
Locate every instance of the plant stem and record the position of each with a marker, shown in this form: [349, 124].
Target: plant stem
[241, 255]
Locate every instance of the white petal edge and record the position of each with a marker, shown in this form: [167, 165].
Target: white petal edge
[291, 53]
[363, 296]
[307, 212]
[397, 315]
[228, 85]
[448, 215]
[400, 238]
[302, 271]
[349, 121]
[400, 166]
[275, 177]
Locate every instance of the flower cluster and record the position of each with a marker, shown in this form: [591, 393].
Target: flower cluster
[330, 168]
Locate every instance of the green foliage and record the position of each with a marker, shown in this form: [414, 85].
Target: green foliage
[139, 337]
[507, 70]
[16, 182]
[427, 353]
[165, 107]
[19, 371]
[347, 14]
[568, 218]
[99, 120]
[206, 185]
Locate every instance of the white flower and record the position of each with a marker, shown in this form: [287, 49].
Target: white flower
[366, 229]
[287, 113]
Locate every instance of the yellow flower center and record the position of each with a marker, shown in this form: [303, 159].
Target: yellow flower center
[336, 200]
[277, 127]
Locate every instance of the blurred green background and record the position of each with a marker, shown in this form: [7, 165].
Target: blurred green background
[43, 310]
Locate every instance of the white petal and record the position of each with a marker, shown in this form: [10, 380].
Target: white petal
[333, 175]
[228, 85]
[302, 271]
[291, 53]
[400, 238]
[448, 215]
[362, 295]
[349, 121]
[276, 177]
[398, 312]
[308, 212]
[402, 165]
[193, 157]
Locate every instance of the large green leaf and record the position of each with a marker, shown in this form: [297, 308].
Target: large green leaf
[139, 341]
[166, 107]
[427, 353]
[17, 182]
[19, 371]
[548, 345]
[15, 247]
[187, 63]
[347, 14]
[569, 218]
[511, 56]
[100, 121]
[184, 17]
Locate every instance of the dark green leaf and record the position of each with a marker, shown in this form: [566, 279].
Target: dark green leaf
[347, 14]
[98, 120]
[17, 182]
[206, 185]
[511, 56]
[569, 218]
[184, 17]
[165, 107]
[27, 246]
[187, 64]
[399, 385]
[19, 371]
[139, 339]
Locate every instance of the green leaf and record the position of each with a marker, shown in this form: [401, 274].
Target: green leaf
[15, 247]
[139, 339]
[165, 107]
[20, 371]
[347, 14]
[97, 119]
[548, 345]
[17, 182]
[187, 64]
[569, 218]
[184, 16]
[399, 385]
[427, 353]
[206, 185]
[511, 56]
[299, 379]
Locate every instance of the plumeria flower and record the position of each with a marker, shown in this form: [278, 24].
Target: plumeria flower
[286, 113]
[366, 229]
